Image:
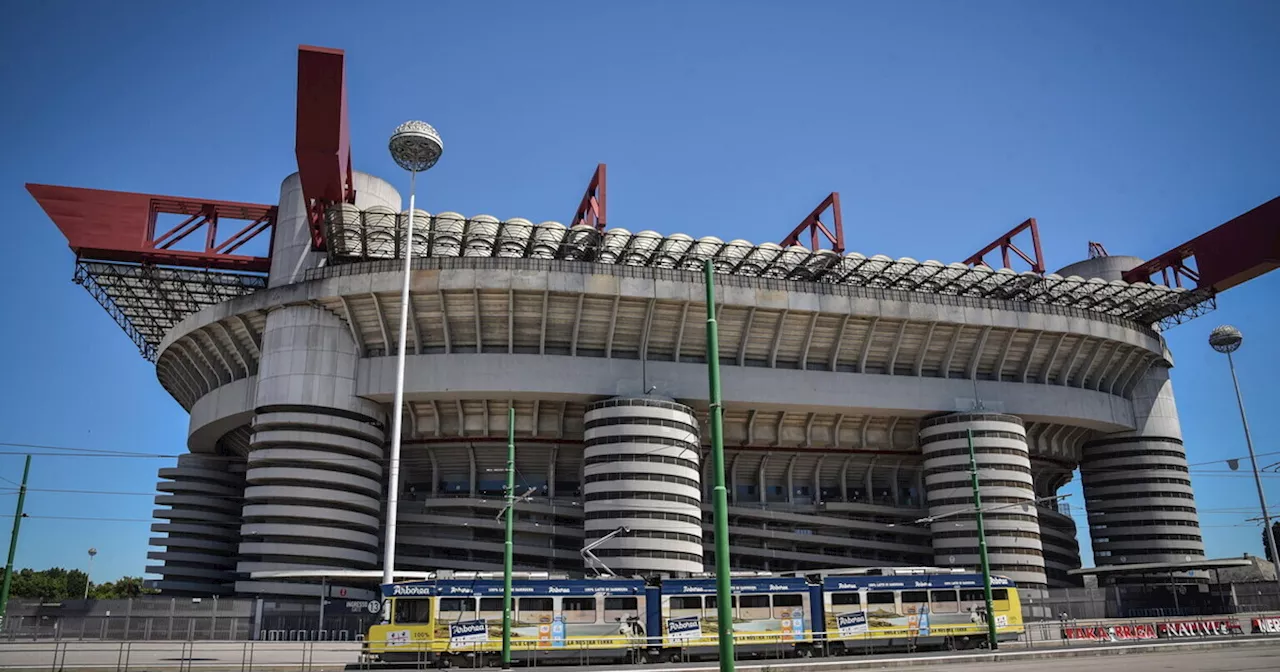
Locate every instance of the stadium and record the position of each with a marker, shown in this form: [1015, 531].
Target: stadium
[850, 383]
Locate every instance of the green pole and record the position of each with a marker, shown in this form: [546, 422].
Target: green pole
[982, 545]
[720, 498]
[508, 547]
[13, 543]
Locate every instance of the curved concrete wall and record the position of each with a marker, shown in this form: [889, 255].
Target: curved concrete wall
[314, 481]
[1004, 473]
[1137, 486]
[1106, 268]
[291, 253]
[202, 515]
[641, 466]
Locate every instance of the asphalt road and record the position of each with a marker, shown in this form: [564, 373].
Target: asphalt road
[344, 656]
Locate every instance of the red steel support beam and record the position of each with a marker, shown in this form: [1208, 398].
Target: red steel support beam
[813, 225]
[1005, 243]
[102, 225]
[323, 143]
[1228, 255]
[593, 209]
[1096, 250]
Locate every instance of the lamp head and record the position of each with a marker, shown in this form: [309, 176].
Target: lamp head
[415, 146]
[1225, 339]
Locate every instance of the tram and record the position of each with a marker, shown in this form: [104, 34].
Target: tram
[458, 620]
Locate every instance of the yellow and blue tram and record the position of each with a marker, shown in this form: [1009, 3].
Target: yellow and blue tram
[445, 620]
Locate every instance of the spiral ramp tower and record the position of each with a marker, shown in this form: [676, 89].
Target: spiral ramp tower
[1008, 503]
[202, 499]
[1137, 485]
[641, 472]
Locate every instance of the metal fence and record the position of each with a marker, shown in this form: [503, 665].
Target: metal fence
[151, 618]
[1160, 601]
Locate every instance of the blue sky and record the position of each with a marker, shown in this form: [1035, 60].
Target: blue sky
[1137, 124]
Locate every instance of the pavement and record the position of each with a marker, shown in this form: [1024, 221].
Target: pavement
[1240, 654]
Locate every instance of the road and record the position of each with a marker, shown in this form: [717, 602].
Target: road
[343, 656]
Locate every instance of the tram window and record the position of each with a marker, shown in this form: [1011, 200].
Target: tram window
[944, 601]
[535, 609]
[456, 608]
[578, 609]
[846, 599]
[685, 605]
[914, 597]
[711, 602]
[786, 605]
[880, 598]
[1000, 599]
[973, 596]
[490, 608]
[620, 607]
[410, 611]
[752, 607]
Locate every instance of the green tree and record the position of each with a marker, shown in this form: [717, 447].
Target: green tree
[52, 585]
[1266, 550]
[56, 584]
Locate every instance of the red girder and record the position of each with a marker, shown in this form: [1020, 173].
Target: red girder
[1233, 253]
[323, 144]
[593, 208]
[1096, 250]
[813, 224]
[1005, 243]
[102, 225]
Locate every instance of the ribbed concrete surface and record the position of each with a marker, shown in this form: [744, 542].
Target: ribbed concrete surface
[1008, 496]
[202, 500]
[1137, 485]
[641, 465]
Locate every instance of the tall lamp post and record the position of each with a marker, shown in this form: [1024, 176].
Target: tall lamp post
[1227, 339]
[416, 147]
[89, 574]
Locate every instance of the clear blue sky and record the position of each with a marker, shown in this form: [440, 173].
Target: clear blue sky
[1138, 124]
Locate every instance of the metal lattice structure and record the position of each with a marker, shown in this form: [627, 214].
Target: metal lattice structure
[146, 301]
[377, 234]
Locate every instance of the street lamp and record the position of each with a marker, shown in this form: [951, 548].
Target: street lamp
[416, 147]
[89, 573]
[1227, 339]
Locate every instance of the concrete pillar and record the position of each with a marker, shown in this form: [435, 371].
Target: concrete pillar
[1008, 496]
[641, 461]
[1137, 488]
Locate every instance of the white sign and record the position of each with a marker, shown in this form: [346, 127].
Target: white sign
[852, 623]
[468, 632]
[397, 637]
[684, 629]
[374, 606]
[1002, 621]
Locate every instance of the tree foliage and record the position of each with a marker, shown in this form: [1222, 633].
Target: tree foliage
[1266, 549]
[56, 584]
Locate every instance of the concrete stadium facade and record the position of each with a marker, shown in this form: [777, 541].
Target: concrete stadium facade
[846, 410]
